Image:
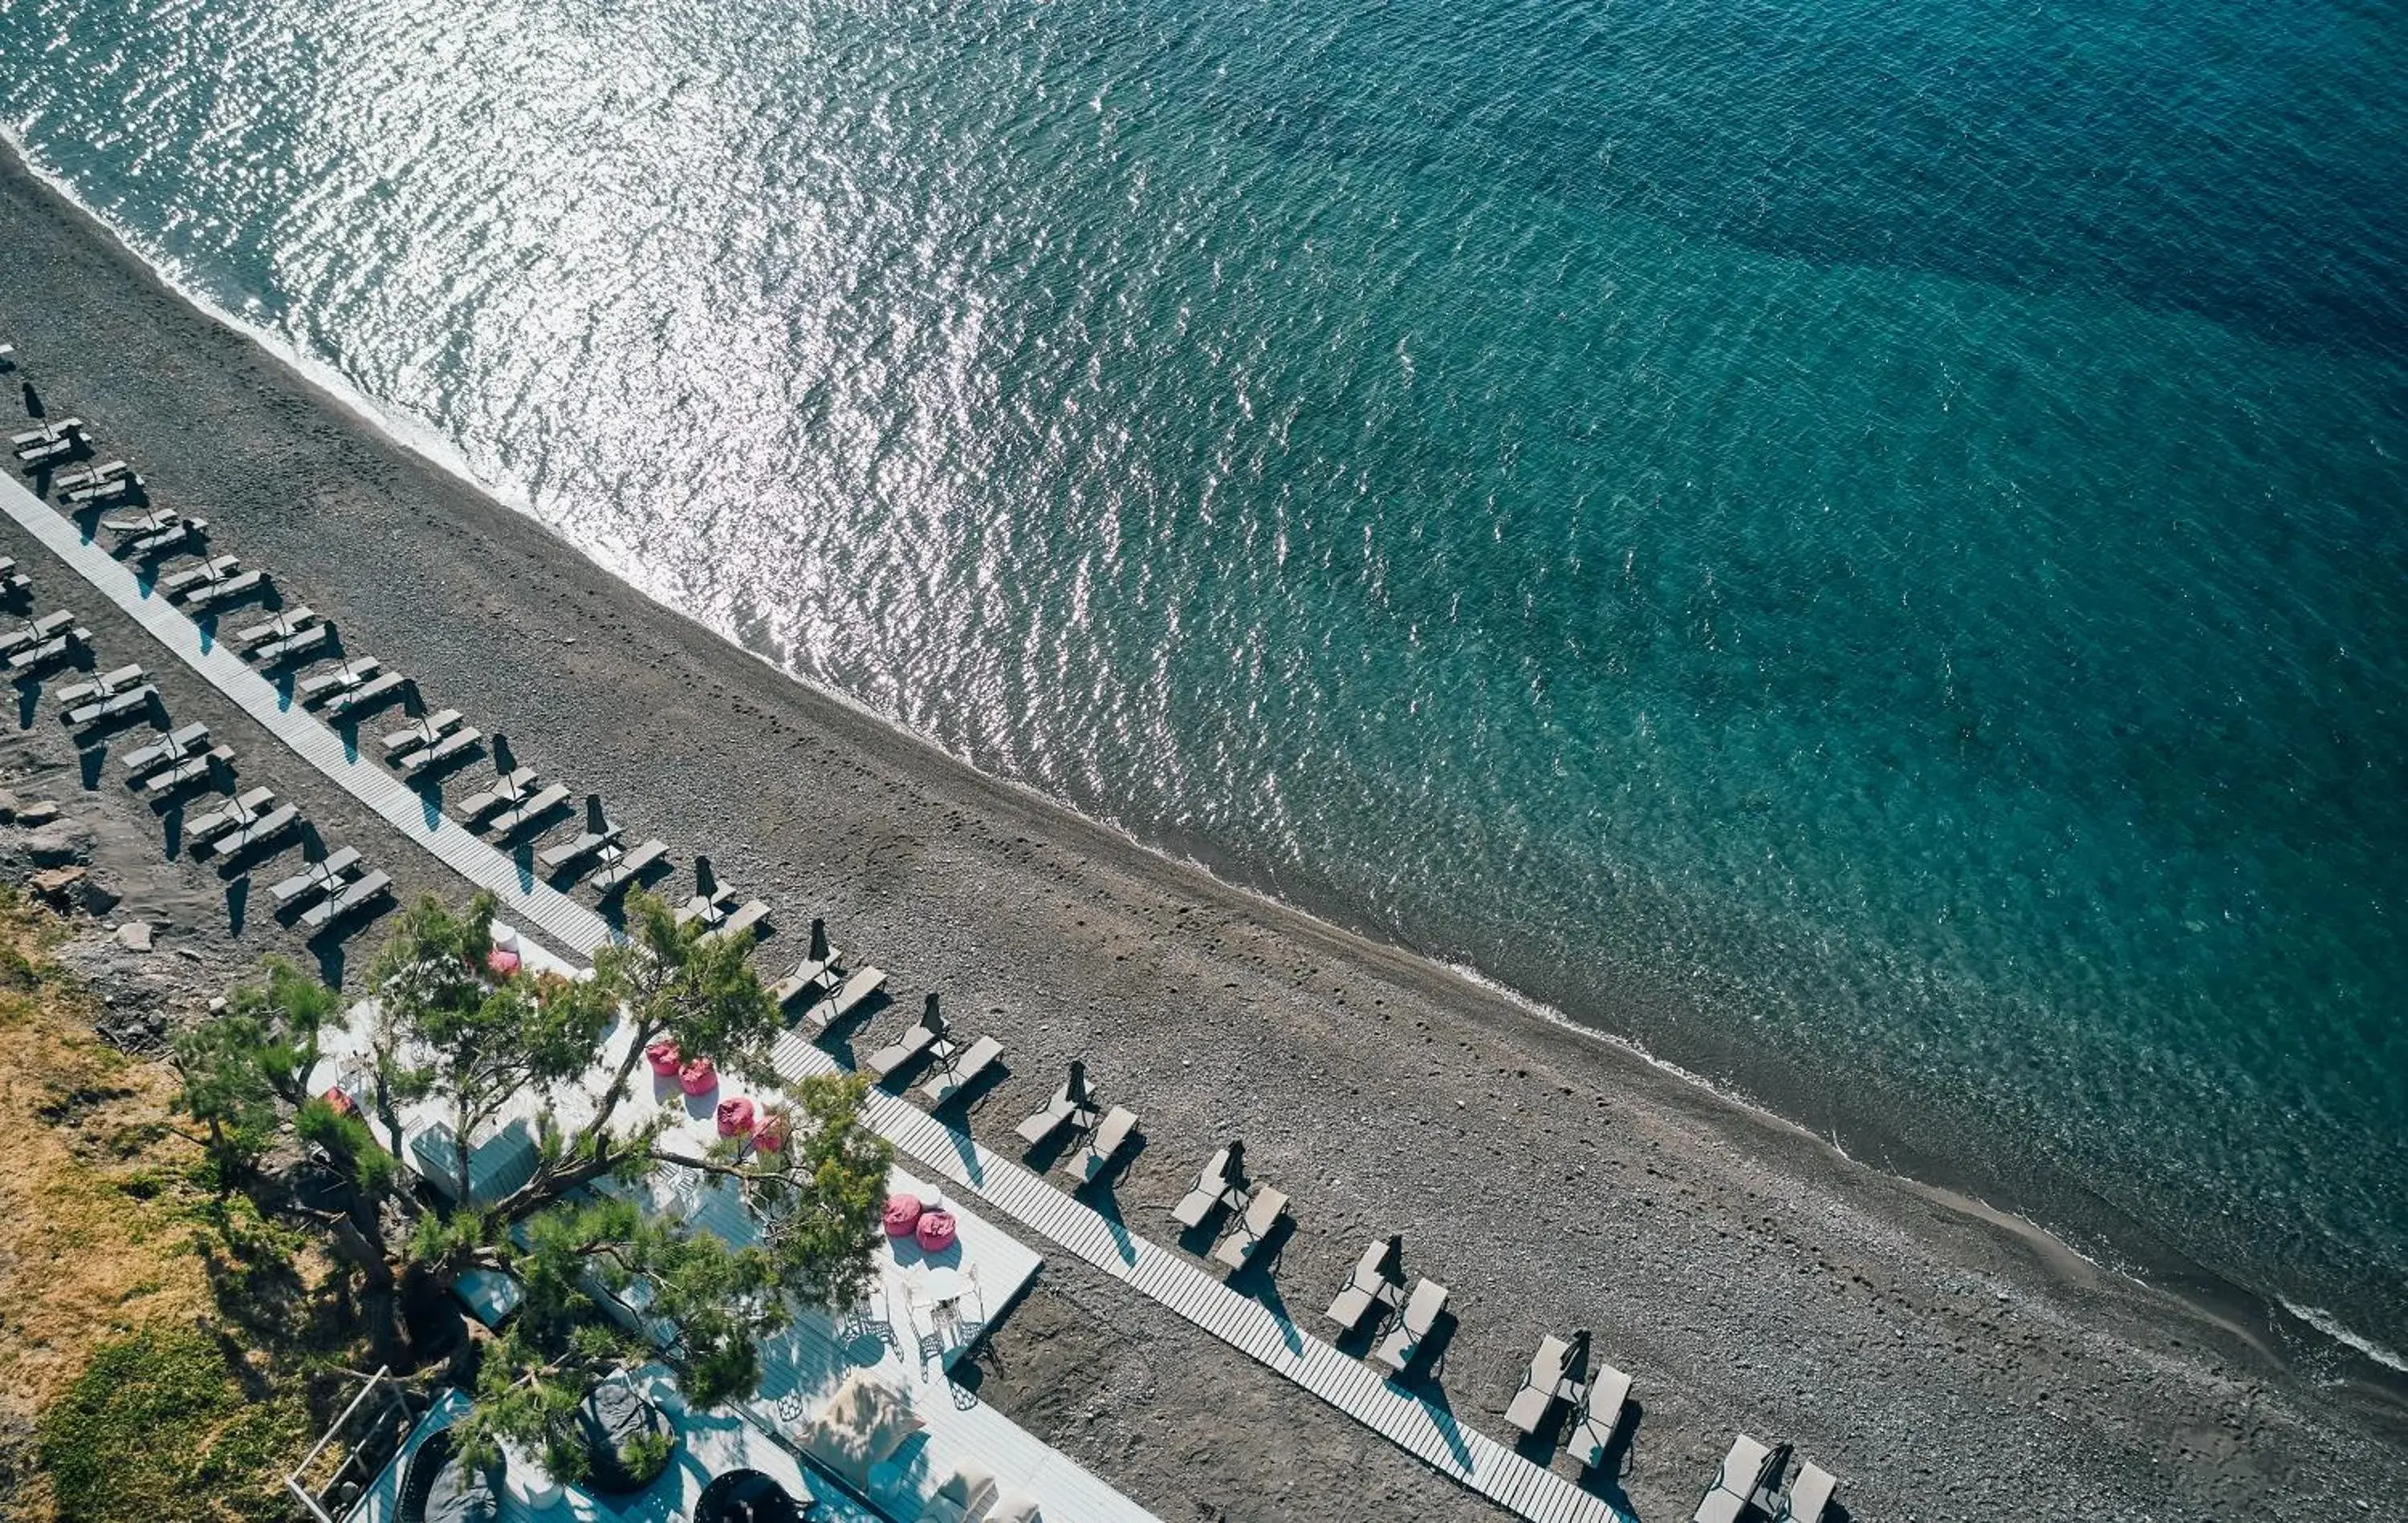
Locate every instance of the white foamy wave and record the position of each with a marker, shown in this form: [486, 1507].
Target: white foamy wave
[2332, 1326]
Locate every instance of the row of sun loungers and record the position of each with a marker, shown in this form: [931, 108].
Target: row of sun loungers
[51, 443]
[43, 643]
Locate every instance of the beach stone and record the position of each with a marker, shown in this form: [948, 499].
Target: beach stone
[40, 812]
[60, 842]
[56, 882]
[134, 935]
[9, 805]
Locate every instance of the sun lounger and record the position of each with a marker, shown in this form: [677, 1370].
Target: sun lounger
[226, 591]
[357, 895]
[454, 748]
[1745, 1471]
[146, 523]
[197, 573]
[741, 922]
[283, 626]
[172, 747]
[191, 770]
[621, 868]
[50, 652]
[811, 978]
[14, 584]
[845, 1001]
[709, 908]
[1374, 1282]
[106, 683]
[47, 430]
[271, 826]
[300, 647]
[109, 490]
[368, 696]
[1223, 1174]
[151, 547]
[508, 787]
[1810, 1494]
[66, 445]
[237, 812]
[1403, 1344]
[925, 1033]
[598, 834]
[1072, 1106]
[88, 476]
[116, 707]
[1537, 1398]
[1601, 1414]
[316, 878]
[45, 628]
[347, 678]
[1264, 1208]
[529, 810]
[1092, 1157]
[955, 1072]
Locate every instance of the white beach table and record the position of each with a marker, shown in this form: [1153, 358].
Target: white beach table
[1425, 1428]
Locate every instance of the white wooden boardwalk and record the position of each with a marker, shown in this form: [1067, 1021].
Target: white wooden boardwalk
[1421, 1426]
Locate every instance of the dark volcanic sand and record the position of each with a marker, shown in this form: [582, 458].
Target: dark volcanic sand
[1943, 1361]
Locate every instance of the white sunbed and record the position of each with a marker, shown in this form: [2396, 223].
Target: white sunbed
[101, 686]
[36, 631]
[151, 547]
[1403, 1344]
[452, 747]
[106, 490]
[271, 826]
[598, 834]
[172, 747]
[529, 810]
[1601, 1414]
[1264, 1208]
[360, 892]
[1743, 1475]
[918, 1038]
[192, 769]
[225, 590]
[1071, 1105]
[741, 922]
[55, 649]
[424, 730]
[316, 878]
[1540, 1384]
[115, 706]
[1374, 1282]
[237, 811]
[621, 868]
[1213, 1188]
[1088, 1162]
[510, 788]
[1810, 1494]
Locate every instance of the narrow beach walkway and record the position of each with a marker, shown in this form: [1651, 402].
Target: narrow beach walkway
[1424, 1426]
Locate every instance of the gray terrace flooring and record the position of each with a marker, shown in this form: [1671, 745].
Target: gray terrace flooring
[1419, 1425]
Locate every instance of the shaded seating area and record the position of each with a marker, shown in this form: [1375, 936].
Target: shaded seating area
[66, 645]
[714, 904]
[1221, 1181]
[166, 532]
[357, 686]
[954, 1067]
[1810, 1494]
[1252, 1226]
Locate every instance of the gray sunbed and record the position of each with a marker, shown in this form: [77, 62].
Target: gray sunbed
[283, 626]
[1095, 1154]
[1745, 1470]
[507, 788]
[212, 569]
[368, 696]
[621, 868]
[1265, 1206]
[812, 977]
[917, 1039]
[527, 810]
[315, 878]
[1601, 1414]
[450, 748]
[741, 922]
[88, 476]
[1540, 1384]
[117, 706]
[1810, 1494]
[1403, 1344]
[36, 631]
[237, 811]
[46, 431]
[103, 686]
[1072, 1106]
[105, 491]
[149, 523]
[955, 1071]
[152, 545]
[1374, 1282]
[845, 1001]
[50, 651]
[226, 591]
[171, 747]
[191, 770]
[271, 826]
[598, 834]
[355, 895]
[345, 678]
[1221, 1178]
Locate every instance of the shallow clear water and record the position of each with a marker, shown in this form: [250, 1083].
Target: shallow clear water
[1863, 544]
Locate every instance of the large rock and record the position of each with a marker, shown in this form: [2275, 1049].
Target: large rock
[59, 844]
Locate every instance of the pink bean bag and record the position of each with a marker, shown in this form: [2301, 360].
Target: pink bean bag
[902, 1215]
[936, 1230]
[663, 1056]
[502, 961]
[698, 1077]
[770, 1135]
[735, 1117]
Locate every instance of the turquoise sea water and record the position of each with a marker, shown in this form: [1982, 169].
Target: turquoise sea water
[1860, 545]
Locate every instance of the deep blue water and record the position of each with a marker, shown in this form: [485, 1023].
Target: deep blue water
[1859, 545]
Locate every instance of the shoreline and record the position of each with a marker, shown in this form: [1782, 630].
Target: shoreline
[1488, 1010]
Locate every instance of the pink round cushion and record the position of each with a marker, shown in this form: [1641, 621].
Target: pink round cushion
[735, 1117]
[770, 1135]
[503, 961]
[663, 1056]
[936, 1230]
[902, 1215]
[698, 1077]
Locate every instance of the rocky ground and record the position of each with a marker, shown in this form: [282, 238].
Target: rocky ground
[1946, 1362]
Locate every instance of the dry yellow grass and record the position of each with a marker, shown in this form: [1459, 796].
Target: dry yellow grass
[85, 1257]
